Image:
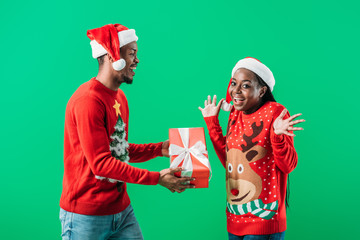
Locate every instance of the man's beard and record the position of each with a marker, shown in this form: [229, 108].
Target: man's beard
[127, 80]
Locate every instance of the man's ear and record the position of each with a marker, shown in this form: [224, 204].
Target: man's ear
[109, 58]
[263, 91]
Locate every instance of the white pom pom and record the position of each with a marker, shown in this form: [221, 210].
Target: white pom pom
[226, 106]
[118, 65]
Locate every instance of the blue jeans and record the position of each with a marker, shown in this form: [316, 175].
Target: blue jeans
[274, 236]
[122, 226]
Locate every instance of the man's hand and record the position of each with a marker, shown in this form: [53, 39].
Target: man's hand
[282, 126]
[165, 149]
[211, 109]
[174, 184]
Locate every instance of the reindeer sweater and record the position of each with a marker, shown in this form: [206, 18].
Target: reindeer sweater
[91, 172]
[257, 162]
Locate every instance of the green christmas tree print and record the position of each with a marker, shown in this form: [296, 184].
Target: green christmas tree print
[119, 145]
[119, 149]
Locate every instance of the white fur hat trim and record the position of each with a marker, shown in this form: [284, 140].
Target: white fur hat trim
[257, 67]
[125, 37]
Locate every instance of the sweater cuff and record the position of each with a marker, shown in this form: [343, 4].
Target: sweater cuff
[157, 150]
[278, 138]
[154, 178]
[211, 121]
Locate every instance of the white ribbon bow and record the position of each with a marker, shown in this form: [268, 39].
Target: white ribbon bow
[198, 151]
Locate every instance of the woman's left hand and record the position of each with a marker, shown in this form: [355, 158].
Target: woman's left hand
[282, 126]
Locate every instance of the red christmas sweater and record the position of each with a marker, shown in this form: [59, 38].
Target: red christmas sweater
[91, 173]
[257, 162]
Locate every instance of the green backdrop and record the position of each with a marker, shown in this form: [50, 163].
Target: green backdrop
[186, 50]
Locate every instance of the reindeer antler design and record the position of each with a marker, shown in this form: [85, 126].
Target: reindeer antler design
[248, 139]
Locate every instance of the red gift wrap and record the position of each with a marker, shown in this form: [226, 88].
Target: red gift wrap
[188, 150]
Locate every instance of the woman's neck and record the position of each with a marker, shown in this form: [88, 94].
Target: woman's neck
[254, 108]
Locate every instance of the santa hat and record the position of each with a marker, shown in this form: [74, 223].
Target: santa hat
[108, 40]
[255, 66]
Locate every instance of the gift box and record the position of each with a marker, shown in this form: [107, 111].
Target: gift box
[188, 150]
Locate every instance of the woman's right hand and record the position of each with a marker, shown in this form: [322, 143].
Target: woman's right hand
[211, 109]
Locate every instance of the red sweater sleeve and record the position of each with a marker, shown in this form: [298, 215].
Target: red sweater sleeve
[283, 148]
[217, 137]
[89, 115]
[144, 152]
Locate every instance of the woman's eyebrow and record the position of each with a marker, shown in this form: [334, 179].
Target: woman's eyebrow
[242, 80]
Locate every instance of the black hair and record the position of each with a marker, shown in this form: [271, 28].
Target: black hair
[268, 94]
[269, 97]
[101, 60]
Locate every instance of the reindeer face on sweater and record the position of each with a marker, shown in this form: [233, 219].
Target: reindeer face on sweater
[243, 184]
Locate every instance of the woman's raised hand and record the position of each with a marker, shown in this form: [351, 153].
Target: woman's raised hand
[282, 126]
[211, 109]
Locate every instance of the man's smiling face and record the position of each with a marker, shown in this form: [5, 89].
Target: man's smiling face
[129, 54]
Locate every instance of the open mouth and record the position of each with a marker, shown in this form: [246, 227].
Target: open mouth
[132, 69]
[241, 198]
[238, 100]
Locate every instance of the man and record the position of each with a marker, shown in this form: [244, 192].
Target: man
[94, 202]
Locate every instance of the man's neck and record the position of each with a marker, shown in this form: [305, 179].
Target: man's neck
[106, 78]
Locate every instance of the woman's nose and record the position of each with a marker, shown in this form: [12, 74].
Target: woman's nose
[238, 89]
